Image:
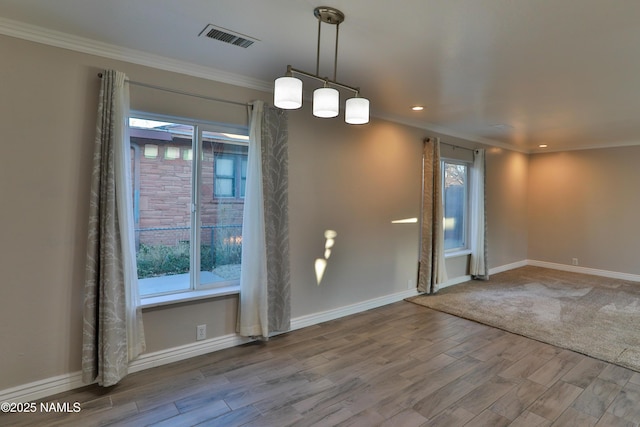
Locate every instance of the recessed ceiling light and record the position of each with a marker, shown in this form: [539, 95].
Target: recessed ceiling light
[417, 108]
[543, 145]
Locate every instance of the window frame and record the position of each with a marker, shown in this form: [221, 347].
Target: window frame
[238, 179]
[196, 289]
[466, 248]
[231, 177]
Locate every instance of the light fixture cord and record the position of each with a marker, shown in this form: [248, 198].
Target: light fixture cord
[335, 59]
[318, 51]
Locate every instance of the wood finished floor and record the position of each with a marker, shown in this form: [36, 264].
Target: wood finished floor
[398, 365]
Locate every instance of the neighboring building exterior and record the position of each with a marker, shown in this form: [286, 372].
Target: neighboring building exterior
[162, 175]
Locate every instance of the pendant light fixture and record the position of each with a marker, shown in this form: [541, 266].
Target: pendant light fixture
[287, 93]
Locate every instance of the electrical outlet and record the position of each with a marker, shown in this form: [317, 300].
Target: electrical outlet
[574, 261]
[201, 332]
[410, 284]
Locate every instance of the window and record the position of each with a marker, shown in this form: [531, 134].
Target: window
[188, 188]
[230, 172]
[455, 189]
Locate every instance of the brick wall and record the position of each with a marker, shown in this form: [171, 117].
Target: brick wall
[164, 187]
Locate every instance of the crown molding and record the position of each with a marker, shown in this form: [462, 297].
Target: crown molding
[59, 39]
[62, 40]
[586, 147]
[449, 132]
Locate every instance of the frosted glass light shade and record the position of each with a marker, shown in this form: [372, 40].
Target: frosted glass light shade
[357, 111]
[287, 93]
[326, 102]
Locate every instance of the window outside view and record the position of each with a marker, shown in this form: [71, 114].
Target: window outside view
[455, 195]
[179, 248]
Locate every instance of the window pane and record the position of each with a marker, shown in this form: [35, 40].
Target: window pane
[224, 173]
[220, 216]
[172, 153]
[162, 199]
[243, 167]
[224, 187]
[224, 166]
[455, 205]
[243, 176]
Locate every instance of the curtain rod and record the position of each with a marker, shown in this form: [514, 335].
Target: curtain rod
[179, 92]
[455, 146]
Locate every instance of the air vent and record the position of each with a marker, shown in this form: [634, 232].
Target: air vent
[227, 36]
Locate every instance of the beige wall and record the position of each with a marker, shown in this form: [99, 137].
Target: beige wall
[506, 204]
[585, 204]
[48, 103]
[354, 180]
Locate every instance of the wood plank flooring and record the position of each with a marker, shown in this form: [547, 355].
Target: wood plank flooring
[398, 365]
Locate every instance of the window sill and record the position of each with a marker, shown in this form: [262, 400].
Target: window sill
[181, 297]
[455, 254]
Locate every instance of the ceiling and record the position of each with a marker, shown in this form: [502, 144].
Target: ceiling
[511, 73]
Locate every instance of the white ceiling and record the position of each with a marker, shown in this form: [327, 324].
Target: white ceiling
[517, 73]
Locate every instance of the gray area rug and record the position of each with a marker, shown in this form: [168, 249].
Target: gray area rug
[593, 315]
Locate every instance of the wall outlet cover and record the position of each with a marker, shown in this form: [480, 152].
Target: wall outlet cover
[201, 332]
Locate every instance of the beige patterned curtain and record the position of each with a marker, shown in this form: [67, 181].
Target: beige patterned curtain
[112, 329]
[431, 267]
[265, 295]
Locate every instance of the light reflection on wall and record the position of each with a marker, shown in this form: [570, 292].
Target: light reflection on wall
[321, 263]
[405, 221]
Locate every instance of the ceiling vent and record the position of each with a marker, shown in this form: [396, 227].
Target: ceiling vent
[227, 36]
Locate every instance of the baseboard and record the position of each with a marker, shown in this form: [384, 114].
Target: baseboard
[187, 351]
[551, 265]
[585, 270]
[59, 384]
[336, 313]
[42, 388]
[508, 267]
[54, 385]
[495, 270]
[455, 281]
